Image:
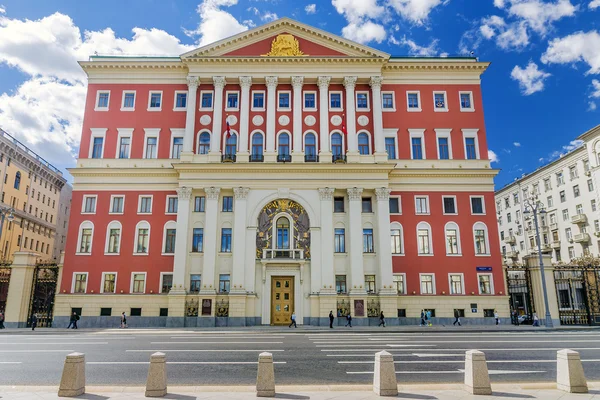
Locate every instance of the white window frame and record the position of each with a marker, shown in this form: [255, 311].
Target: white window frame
[112, 197]
[170, 196]
[417, 133]
[398, 226]
[83, 225]
[96, 107]
[445, 109]
[443, 133]
[102, 281]
[487, 239]
[172, 225]
[175, 108]
[162, 100]
[135, 238]
[343, 141]
[428, 227]
[452, 224]
[427, 202]
[160, 282]
[107, 241]
[482, 204]
[226, 99]
[131, 282]
[399, 204]
[462, 283]
[85, 197]
[264, 93]
[356, 101]
[139, 206]
[123, 108]
[200, 108]
[96, 133]
[304, 140]
[491, 283]
[418, 99]
[341, 93]
[432, 284]
[289, 93]
[124, 133]
[175, 133]
[314, 92]
[393, 93]
[403, 274]
[370, 152]
[471, 133]
[455, 204]
[87, 275]
[392, 133]
[465, 109]
[150, 133]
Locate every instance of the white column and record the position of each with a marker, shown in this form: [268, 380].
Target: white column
[297, 153]
[211, 235]
[355, 231]
[380, 153]
[190, 116]
[239, 239]
[184, 195]
[324, 148]
[243, 153]
[384, 242]
[327, 239]
[352, 153]
[270, 154]
[215, 140]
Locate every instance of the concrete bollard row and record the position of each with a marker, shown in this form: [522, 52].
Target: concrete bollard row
[384, 377]
[72, 382]
[265, 377]
[156, 384]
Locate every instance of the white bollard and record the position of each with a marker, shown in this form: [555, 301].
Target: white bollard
[569, 372]
[156, 384]
[477, 379]
[72, 383]
[265, 379]
[384, 378]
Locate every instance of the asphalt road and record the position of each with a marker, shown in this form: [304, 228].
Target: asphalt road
[120, 357]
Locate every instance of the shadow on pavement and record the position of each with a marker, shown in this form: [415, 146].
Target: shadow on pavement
[416, 396]
[89, 396]
[513, 395]
[290, 396]
[179, 397]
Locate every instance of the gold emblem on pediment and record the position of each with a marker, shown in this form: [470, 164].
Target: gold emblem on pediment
[285, 45]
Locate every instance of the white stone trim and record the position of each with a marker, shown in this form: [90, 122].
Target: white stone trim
[160, 281]
[170, 196]
[84, 225]
[392, 133]
[131, 282]
[481, 225]
[427, 202]
[368, 109]
[175, 133]
[393, 93]
[226, 100]
[462, 283]
[398, 225]
[150, 93]
[471, 133]
[102, 281]
[73, 281]
[399, 197]
[310, 109]
[482, 204]
[417, 133]
[150, 133]
[424, 225]
[97, 133]
[316, 140]
[123, 108]
[433, 285]
[138, 226]
[455, 204]
[112, 197]
[83, 201]
[140, 204]
[113, 225]
[283, 131]
[369, 142]
[96, 107]
[455, 226]
[470, 93]
[175, 108]
[492, 291]
[443, 133]
[200, 132]
[341, 93]
[289, 93]
[212, 102]
[168, 225]
[343, 141]
[258, 109]
[445, 108]
[124, 133]
[420, 108]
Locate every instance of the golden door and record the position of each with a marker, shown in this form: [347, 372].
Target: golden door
[282, 300]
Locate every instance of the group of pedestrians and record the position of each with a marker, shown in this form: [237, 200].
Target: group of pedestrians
[349, 320]
[426, 318]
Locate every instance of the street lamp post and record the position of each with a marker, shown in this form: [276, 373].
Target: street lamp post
[3, 213]
[535, 207]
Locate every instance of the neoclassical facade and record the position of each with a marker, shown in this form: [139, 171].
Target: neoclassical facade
[282, 170]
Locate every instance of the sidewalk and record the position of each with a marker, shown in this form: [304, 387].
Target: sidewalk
[544, 391]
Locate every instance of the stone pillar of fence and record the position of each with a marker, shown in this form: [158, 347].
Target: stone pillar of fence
[533, 263]
[19, 290]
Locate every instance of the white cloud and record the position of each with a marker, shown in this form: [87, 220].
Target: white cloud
[499, 3]
[592, 106]
[493, 157]
[356, 10]
[3, 10]
[310, 9]
[516, 144]
[364, 32]
[573, 48]
[539, 15]
[416, 11]
[531, 79]
[269, 16]
[594, 4]
[416, 50]
[596, 87]
[215, 23]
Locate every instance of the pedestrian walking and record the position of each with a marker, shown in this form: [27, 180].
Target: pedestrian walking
[331, 319]
[456, 318]
[497, 316]
[73, 321]
[293, 317]
[381, 319]
[516, 317]
[349, 320]
[429, 318]
[33, 321]
[423, 318]
[1, 320]
[536, 320]
[123, 320]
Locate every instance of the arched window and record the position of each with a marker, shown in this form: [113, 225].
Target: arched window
[257, 147]
[397, 237]
[283, 233]
[284, 145]
[169, 236]
[452, 239]
[480, 237]
[86, 236]
[142, 238]
[113, 238]
[363, 144]
[336, 144]
[204, 143]
[18, 180]
[231, 144]
[424, 244]
[310, 147]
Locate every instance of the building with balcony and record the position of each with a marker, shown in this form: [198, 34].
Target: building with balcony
[568, 188]
[327, 176]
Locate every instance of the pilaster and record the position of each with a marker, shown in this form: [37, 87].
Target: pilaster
[384, 246]
[380, 153]
[350, 85]
[215, 140]
[239, 239]
[190, 119]
[357, 275]
[297, 153]
[324, 148]
[19, 289]
[184, 194]
[270, 153]
[243, 152]
[210, 240]
[327, 239]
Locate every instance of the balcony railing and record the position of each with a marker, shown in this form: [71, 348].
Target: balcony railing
[512, 254]
[338, 158]
[293, 254]
[284, 158]
[228, 158]
[555, 244]
[579, 219]
[553, 227]
[510, 240]
[257, 158]
[311, 158]
[581, 238]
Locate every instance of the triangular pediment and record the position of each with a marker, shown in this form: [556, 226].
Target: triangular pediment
[285, 38]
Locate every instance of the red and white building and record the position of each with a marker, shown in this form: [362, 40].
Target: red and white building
[282, 170]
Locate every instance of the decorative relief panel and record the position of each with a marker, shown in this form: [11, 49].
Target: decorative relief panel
[363, 120]
[232, 120]
[310, 120]
[336, 120]
[205, 120]
[301, 226]
[258, 120]
[284, 120]
[285, 45]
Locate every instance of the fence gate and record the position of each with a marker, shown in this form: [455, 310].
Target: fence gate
[4, 281]
[577, 290]
[518, 280]
[42, 294]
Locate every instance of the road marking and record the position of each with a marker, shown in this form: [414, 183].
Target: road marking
[464, 350]
[458, 371]
[509, 341]
[45, 343]
[11, 362]
[203, 350]
[360, 346]
[220, 337]
[180, 362]
[378, 349]
[35, 351]
[458, 361]
[216, 342]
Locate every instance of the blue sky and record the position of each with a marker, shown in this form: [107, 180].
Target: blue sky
[541, 91]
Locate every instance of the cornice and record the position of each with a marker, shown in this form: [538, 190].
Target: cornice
[132, 65]
[277, 168]
[436, 66]
[286, 60]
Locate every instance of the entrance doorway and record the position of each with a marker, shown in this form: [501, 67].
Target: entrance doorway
[282, 299]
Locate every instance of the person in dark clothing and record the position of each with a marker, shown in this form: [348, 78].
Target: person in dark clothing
[1, 320]
[423, 318]
[349, 320]
[456, 318]
[331, 319]
[293, 318]
[381, 319]
[33, 322]
[73, 321]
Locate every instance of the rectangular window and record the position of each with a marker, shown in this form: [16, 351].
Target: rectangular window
[114, 238]
[390, 148]
[172, 203]
[135, 312]
[396, 236]
[485, 284]
[180, 100]
[139, 283]
[110, 280]
[471, 151]
[417, 148]
[340, 240]
[387, 101]
[258, 100]
[227, 203]
[335, 100]
[477, 205]
[284, 100]
[340, 284]
[124, 147]
[439, 101]
[224, 283]
[368, 246]
[560, 179]
[145, 205]
[565, 214]
[590, 185]
[362, 100]
[197, 240]
[97, 147]
[80, 283]
[413, 100]
[128, 101]
[103, 98]
[155, 101]
[399, 283]
[206, 100]
[370, 283]
[573, 172]
[89, 204]
[547, 184]
[578, 209]
[563, 196]
[177, 147]
[310, 100]
[456, 284]
[151, 147]
[427, 284]
[449, 205]
[199, 203]
[338, 204]
[421, 205]
[466, 102]
[195, 282]
[443, 148]
[576, 191]
[394, 205]
[142, 242]
[593, 204]
[170, 241]
[367, 206]
[226, 240]
[232, 100]
[167, 283]
[550, 201]
[117, 205]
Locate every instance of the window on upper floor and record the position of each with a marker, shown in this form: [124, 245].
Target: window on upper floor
[97, 147]
[573, 172]
[206, 100]
[421, 205]
[439, 101]
[232, 100]
[363, 144]
[443, 148]
[151, 150]
[413, 101]
[470, 148]
[368, 243]
[199, 203]
[128, 101]
[362, 101]
[394, 203]
[283, 102]
[338, 204]
[180, 101]
[124, 147]
[155, 101]
[116, 206]
[197, 240]
[89, 204]
[17, 180]
[226, 240]
[145, 205]
[390, 148]
[417, 148]
[340, 240]
[449, 204]
[204, 143]
[367, 205]
[466, 101]
[227, 204]
[477, 205]
[590, 185]
[102, 100]
[335, 100]
[310, 100]
[172, 203]
[560, 179]
[576, 191]
[387, 101]
[177, 147]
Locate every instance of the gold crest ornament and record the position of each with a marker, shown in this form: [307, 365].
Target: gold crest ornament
[285, 45]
